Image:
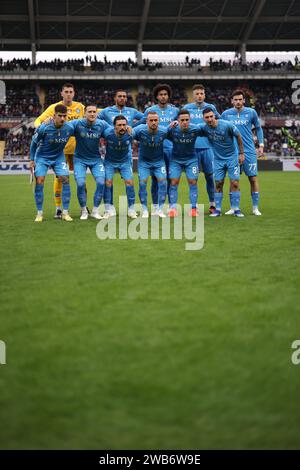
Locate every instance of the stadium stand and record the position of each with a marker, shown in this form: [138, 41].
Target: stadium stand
[271, 100]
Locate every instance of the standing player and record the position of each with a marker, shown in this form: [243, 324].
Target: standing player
[245, 119]
[108, 114]
[75, 110]
[47, 151]
[183, 158]
[151, 160]
[118, 158]
[222, 136]
[166, 113]
[88, 132]
[203, 148]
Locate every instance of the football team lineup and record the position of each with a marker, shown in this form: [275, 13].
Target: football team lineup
[171, 141]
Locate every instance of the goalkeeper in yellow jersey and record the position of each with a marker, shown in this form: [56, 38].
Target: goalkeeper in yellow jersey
[75, 111]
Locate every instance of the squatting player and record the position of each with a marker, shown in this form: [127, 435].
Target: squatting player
[183, 158]
[151, 161]
[118, 158]
[75, 110]
[47, 151]
[88, 132]
[222, 135]
[203, 148]
[245, 119]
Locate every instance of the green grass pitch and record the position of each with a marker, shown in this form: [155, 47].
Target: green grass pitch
[140, 344]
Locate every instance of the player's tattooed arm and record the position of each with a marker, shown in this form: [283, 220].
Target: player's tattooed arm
[241, 149]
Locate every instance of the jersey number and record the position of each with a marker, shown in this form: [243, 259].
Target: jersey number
[236, 170]
[252, 166]
[64, 165]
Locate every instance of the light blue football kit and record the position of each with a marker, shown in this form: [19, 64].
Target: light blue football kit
[109, 114]
[151, 161]
[87, 155]
[245, 120]
[222, 139]
[118, 158]
[203, 148]
[184, 158]
[166, 115]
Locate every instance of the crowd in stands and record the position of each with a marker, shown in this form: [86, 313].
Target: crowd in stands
[92, 64]
[268, 99]
[237, 65]
[21, 101]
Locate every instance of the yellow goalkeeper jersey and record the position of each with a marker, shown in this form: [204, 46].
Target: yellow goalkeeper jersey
[75, 111]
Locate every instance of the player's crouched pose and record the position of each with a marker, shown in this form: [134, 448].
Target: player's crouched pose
[46, 151]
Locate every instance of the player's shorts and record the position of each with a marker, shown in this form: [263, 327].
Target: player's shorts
[157, 169]
[59, 166]
[205, 160]
[69, 160]
[96, 167]
[249, 167]
[190, 167]
[230, 165]
[125, 170]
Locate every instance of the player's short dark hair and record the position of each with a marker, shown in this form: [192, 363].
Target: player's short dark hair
[61, 108]
[120, 117]
[151, 112]
[238, 92]
[183, 111]
[198, 86]
[90, 104]
[67, 85]
[120, 90]
[208, 109]
[160, 87]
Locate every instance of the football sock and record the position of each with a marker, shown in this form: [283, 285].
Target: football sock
[162, 192]
[130, 194]
[143, 194]
[99, 191]
[210, 187]
[193, 195]
[255, 199]
[66, 195]
[81, 192]
[57, 188]
[236, 196]
[218, 199]
[173, 195]
[39, 196]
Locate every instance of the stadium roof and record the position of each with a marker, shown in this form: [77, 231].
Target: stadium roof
[161, 25]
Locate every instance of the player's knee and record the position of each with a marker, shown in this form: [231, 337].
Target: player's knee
[192, 182]
[234, 185]
[219, 185]
[100, 181]
[108, 183]
[64, 179]
[40, 180]
[174, 181]
[80, 182]
[129, 182]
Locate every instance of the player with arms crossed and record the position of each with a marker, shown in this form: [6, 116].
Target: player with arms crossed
[47, 151]
[183, 158]
[118, 157]
[88, 132]
[203, 148]
[222, 136]
[167, 113]
[245, 119]
[75, 110]
[151, 160]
